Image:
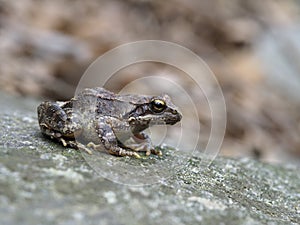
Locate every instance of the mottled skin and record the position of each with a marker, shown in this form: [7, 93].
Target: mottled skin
[107, 121]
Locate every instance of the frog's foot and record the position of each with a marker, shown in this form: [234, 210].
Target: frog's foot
[66, 143]
[143, 143]
[155, 152]
[84, 148]
[114, 150]
[144, 147]
[95, 146]
[55, 135]
[124, 152]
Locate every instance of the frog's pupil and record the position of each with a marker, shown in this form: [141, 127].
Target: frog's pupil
[158, 105]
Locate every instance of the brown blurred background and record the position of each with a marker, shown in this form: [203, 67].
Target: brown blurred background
[252, 46]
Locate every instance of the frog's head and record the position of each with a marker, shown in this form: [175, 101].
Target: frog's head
[154, 110]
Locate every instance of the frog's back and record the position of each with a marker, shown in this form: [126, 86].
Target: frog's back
[102, 93]
[97, 92]
[102, 102]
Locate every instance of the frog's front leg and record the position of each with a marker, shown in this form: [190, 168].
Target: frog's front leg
[109, 140]
[144, 143]
[57, 121]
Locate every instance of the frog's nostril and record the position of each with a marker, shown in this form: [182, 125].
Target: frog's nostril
[177, 113]
[179, 116]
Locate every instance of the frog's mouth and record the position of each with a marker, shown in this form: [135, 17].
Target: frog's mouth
[151, 119]
[172, 116]
[174, 119]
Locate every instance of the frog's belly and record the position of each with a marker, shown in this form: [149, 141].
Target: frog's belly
[123, 136]
[93, 132]
[89, 134]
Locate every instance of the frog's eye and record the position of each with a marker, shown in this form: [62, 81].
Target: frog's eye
[158, 105]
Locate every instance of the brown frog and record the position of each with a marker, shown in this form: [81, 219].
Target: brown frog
[100, 119]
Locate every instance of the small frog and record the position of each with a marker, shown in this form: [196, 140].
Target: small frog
[99, 119]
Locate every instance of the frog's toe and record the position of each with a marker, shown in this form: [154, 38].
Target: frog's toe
[84, 148]
[93, 146]
[123, 152]
[136, 155]
[156, 152]
[63, 141]
[148, 152]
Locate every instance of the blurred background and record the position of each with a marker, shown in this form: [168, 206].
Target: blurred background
[252, 46]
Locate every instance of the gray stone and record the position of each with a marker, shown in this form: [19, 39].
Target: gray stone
[43, 183]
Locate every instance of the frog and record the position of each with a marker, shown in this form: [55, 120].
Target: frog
[98, 119]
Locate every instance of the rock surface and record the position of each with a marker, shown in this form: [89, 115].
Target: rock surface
[44, 183]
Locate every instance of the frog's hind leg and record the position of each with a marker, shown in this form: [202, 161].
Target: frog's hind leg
[58, 123]
[114, 150]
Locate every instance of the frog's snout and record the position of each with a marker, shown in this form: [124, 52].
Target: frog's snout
[175, 117]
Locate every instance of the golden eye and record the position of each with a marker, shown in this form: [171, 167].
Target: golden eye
[158, 105]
